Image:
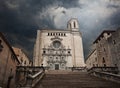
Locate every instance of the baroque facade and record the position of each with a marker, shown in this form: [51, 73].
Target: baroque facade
[59, 49]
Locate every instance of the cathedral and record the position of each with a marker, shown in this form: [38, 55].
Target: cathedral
[59, 49]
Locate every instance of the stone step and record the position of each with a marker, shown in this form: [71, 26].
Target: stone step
[68, 79]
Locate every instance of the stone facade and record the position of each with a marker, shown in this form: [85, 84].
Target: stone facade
[92, 59]
[103, 49]
[59, 49]
[8, 63]
[114, 44]
[107, 47]
[22, 57]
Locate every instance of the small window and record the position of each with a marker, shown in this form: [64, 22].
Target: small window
[61, 34]
[74, 25]
[114, 42]
[51, 34]
[104, 65]
[48, 34]
[21, 60]
[70, 26]
[103, 60]
[64, 34]
[69, 52]
[104, 50]
[44, 51]
[25, 62]
[95, 59]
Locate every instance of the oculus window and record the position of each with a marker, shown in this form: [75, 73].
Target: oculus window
[56, 44]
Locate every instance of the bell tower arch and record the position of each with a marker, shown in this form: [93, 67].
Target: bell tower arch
[73, 25]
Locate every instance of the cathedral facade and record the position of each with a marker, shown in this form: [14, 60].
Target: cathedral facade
[59, 49]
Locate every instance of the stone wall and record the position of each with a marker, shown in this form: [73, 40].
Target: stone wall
[8, 63]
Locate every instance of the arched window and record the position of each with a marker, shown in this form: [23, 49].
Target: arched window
[51, 34]
[103, 60]
[70, 25]
[74, 25]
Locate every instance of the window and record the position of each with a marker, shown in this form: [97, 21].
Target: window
[68, 52]
[114, 42]
[59, 34]
[48, 34]
[21, 60]
[104, 65]
[95, 59]
[70, 26]
[51, 34]
[44, 51]
[103, 60]
[104, 50]
[74, 25]
[56, 44]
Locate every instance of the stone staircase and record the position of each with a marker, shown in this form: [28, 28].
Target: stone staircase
[68, 79]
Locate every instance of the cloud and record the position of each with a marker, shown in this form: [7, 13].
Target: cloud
[19, 19]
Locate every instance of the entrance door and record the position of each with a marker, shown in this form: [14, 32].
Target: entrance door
[56, 66]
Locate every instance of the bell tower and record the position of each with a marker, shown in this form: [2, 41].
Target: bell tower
[73, 25]
[76, 43]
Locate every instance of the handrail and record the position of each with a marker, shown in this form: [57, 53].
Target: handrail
[28, 76]
[32, 80]
[104, 69]
[107, 76]
[34, 76]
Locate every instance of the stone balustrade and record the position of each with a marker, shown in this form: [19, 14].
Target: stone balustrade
[107, 76]
[108, 73]
[28, 75]
[32, 80]
[104, 69]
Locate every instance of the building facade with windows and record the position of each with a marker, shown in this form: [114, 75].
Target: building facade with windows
[59, 49]
[92, 60]
[8, 63]
[107, 48]
[22, 57]
[114, 44]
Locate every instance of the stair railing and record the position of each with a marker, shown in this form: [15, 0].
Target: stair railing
[32, 80]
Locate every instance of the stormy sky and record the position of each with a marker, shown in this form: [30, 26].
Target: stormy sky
[19, 19]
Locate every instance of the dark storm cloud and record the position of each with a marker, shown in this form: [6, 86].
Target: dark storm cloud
[19, 19]
[18, 22]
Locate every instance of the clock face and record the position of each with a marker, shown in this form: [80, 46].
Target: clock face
[56, 44]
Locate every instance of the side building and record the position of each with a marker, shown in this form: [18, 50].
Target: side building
[8, 63]
[114, 44]
[92, 60]
[22, 57]
[107, 47]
